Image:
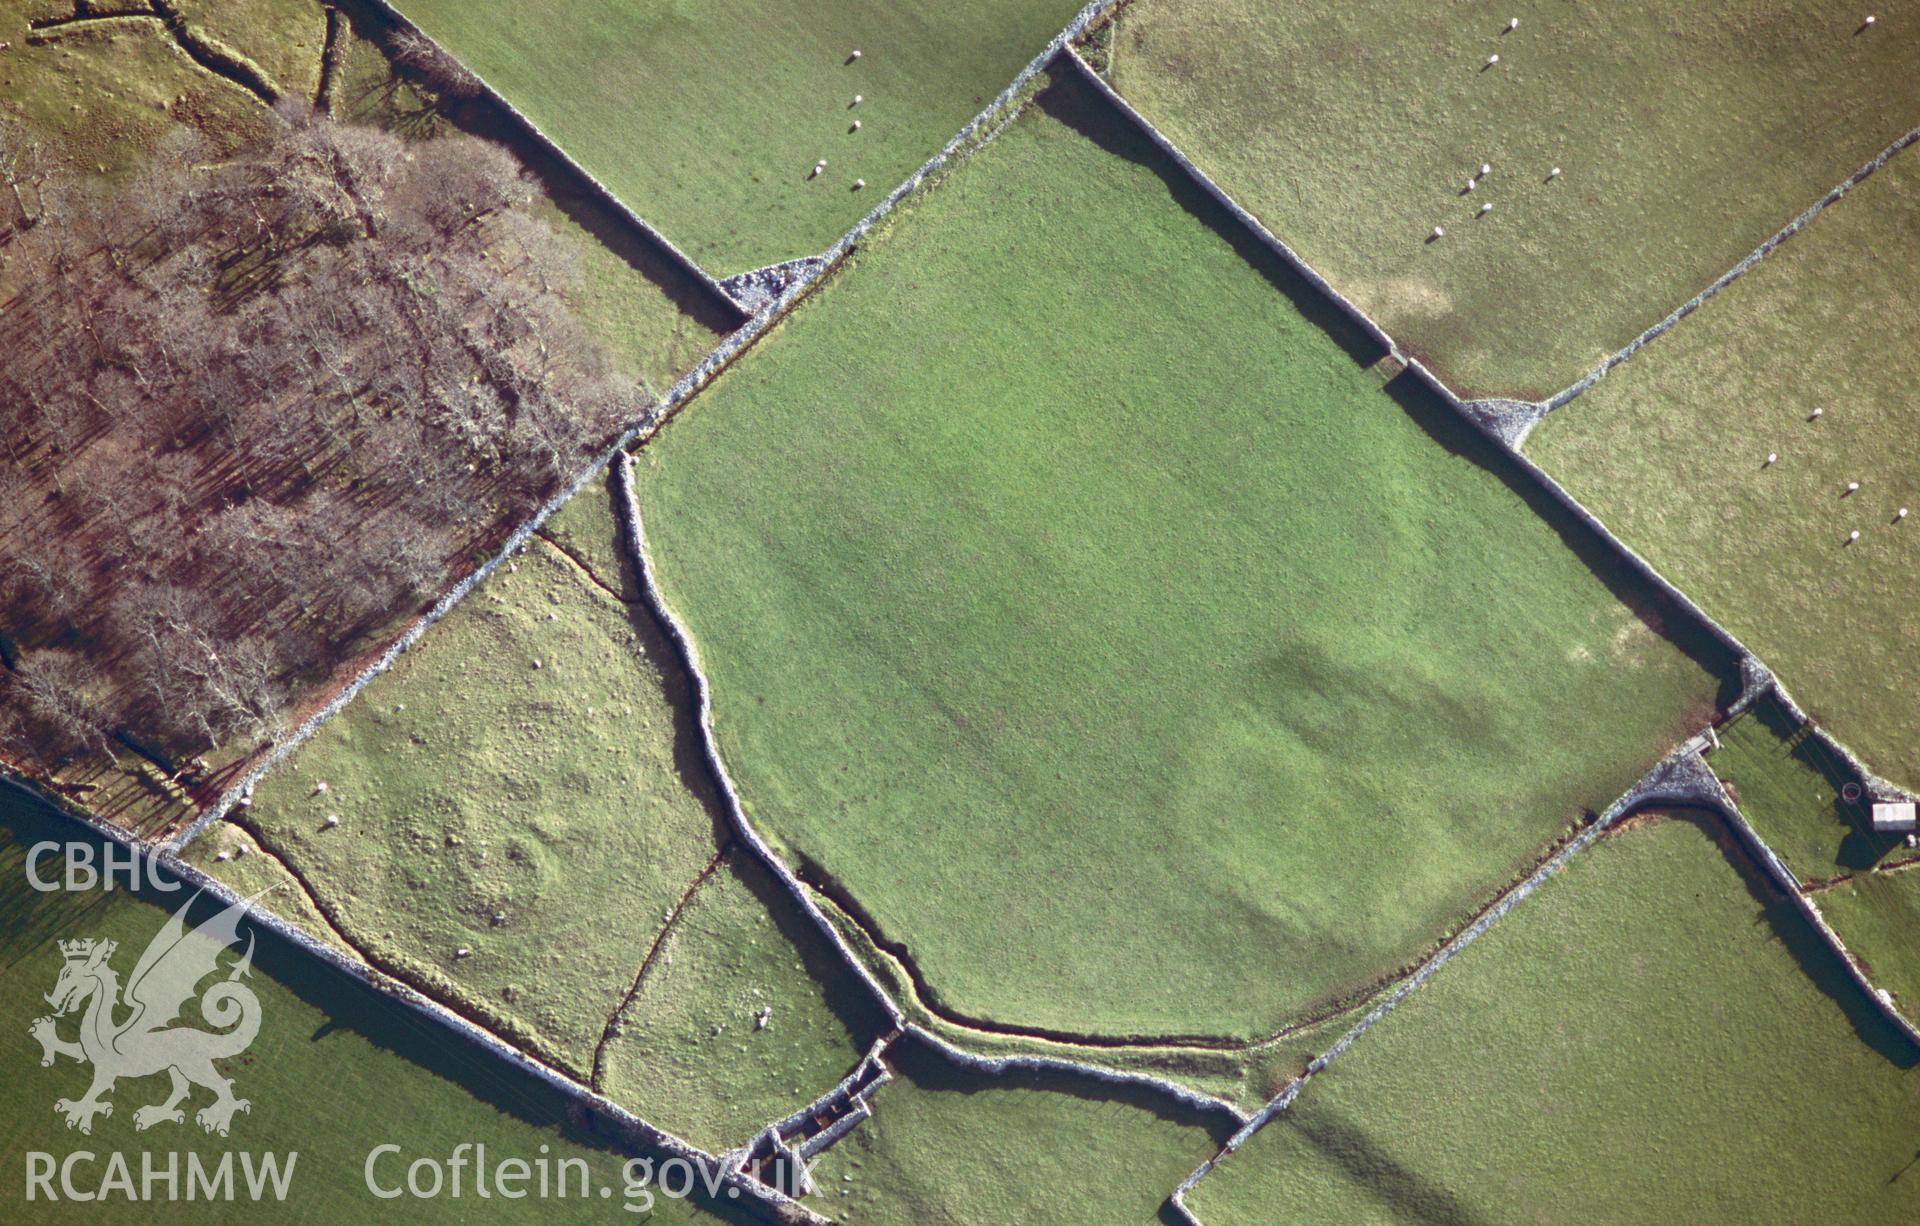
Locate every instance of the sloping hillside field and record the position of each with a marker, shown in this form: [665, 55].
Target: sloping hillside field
[1081, 599]
[1671, 450]
[1651, 1035]
[336, 1069]
[1684, 135]
[707, 118]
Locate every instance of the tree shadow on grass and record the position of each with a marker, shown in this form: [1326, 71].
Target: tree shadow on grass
[1606, 561]
[582, 200]
[1078, 105]
[31, 919]
[1817, 960]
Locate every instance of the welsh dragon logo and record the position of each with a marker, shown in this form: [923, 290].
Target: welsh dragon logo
[137, 1036]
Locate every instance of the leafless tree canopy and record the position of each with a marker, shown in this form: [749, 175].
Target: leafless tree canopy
[253, 409]
[416, 53]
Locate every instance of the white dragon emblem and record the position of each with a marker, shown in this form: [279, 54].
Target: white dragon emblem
[144, 1041]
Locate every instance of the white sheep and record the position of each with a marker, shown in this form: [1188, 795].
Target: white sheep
[1439, 232]
[1486, 208]
[1492, 60]
[1853, 536]
[1513, 23]
[1554, 173]
[1773, 457]
[856, 125]
[858, 184]
[1902, 514]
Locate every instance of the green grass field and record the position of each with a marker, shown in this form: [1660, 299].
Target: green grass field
[707, 118]
[470, 784]
[100, 97]
[641, 304]
[1647, 1038]
[1788, 784]
[1877, 914]
[738, 947]
[230, 855]
[1686, 134]
[548, 819]
[1671, 448]
[336, 1070]
[1095, 617]
[950, 1147]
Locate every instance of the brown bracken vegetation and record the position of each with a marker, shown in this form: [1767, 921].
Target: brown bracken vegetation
[252, 409]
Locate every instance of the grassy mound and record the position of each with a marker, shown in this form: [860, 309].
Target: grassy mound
[1078, 597]
[518, 785]
[335, 1070]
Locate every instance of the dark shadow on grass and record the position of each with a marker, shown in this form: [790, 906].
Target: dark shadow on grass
[1859, 847]
[1606, 561]
[1406, 1194]
[580, 198]
[1077, 104]
[849, 998]
[31, 920]
[927, 1067]
[846, 995]
[689, 754]
[1817, 960]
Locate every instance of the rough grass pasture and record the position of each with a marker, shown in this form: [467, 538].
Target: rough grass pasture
[1789, 784]
[230, 855]
[1671, 450]
[944, 1145]
[1650, 1031]
[637, 300]
[336, 1070]
[283, 38]
[1086, 608]
[690, 1043]
[99, 96]
[1685, 134]
[97, 99]
[1877, 914]
[518, 785]
[524, 785]
[708, 118]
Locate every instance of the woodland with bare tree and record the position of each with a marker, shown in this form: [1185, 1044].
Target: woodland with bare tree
[254, 408]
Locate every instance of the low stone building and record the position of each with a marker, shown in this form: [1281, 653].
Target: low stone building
[1893, 817]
